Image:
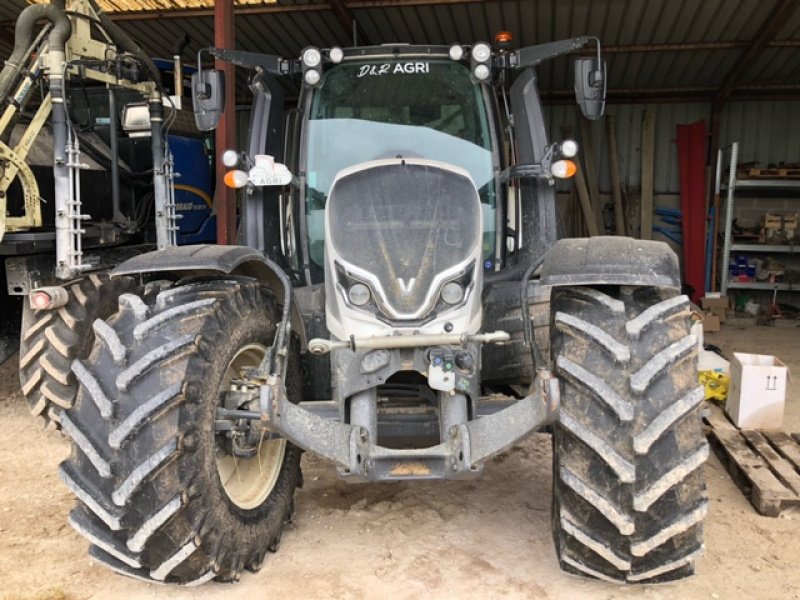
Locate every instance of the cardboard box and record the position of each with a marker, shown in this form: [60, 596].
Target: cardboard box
[758, 391]
[710, 322]
[716, 305]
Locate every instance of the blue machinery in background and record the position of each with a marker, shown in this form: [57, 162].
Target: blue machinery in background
[194, 183]
[194, 190]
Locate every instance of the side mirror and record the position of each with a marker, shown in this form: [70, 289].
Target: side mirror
[208, 98]
[590, 86]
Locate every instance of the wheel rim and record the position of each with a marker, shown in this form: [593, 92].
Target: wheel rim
[248, 482]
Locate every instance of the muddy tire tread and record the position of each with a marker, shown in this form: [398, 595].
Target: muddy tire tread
[157, 513]
[629, 497]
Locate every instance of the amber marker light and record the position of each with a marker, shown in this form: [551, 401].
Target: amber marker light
[236, 179]
[41, 300]
[563, 169]
[503, 37]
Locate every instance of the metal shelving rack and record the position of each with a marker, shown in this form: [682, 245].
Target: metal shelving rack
[728, 247]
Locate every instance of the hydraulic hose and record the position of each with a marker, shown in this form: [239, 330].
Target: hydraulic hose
[24, 34]
[126, 43]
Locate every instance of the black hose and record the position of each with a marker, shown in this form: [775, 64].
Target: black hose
[536, 353]
[23, 36]
[126, 43]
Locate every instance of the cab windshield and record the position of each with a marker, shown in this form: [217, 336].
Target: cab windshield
[383, 109]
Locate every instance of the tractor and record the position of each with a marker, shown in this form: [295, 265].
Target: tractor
[401, 305]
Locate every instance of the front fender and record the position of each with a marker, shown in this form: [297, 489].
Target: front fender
[206, 259]
[609, 260]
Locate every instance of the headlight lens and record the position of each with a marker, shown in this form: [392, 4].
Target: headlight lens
[230, 158]
[452, 292]
[481, 52]
[336, 55]
[456, 52]
[312, 77]
[568, 148]
[482, 72]
[311, 57]
[358, 294]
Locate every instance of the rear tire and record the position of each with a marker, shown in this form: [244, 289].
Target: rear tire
[159, 495]
[51, 339]
[629, 495]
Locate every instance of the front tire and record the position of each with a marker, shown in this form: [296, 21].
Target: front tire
[160, 497]
[629, 495]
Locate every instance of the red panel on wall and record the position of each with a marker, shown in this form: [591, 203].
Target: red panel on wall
[692, 161]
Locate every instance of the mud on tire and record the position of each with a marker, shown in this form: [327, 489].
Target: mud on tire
[629, 495]
[51, 339]
[150, 495]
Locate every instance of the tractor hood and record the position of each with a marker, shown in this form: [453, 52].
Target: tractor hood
[405, 229]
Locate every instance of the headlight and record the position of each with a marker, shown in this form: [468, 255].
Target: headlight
[312, 77]
[568, 148]
[481, 52]
[482, 72]
[456, 52]
[311, 57]
[230, 158]
[358, 294]
[336, 55]
[452, 292]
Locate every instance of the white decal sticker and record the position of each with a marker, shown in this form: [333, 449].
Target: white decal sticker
[406, 68]
[267, 172]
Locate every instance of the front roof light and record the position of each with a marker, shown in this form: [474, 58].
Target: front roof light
[311, 77]
[336, 55]
[311, 57]
[481, 52]
[482, 72]
[456, 52]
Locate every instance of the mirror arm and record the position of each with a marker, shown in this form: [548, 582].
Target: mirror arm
[275, 65]
[535, 171]
[531, 56]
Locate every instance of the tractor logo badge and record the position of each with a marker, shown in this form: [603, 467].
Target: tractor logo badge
[407, 287]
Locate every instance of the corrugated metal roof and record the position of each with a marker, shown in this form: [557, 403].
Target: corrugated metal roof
[117, 6]
[701, 40]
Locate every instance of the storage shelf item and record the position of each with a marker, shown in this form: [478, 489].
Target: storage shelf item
[778, 188]
[762, 285]
[779, 248]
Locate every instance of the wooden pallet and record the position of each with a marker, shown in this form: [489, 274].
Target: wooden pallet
[793, 173]
[765, 464]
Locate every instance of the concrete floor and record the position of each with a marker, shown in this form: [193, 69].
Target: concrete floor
[487, 538]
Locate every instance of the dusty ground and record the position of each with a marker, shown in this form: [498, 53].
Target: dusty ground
[488, 538]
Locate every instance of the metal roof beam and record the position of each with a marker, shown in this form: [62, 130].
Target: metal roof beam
[681, 93]
[265, 9]
[776, 19]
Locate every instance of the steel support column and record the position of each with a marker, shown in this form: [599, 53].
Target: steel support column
[226, 131]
